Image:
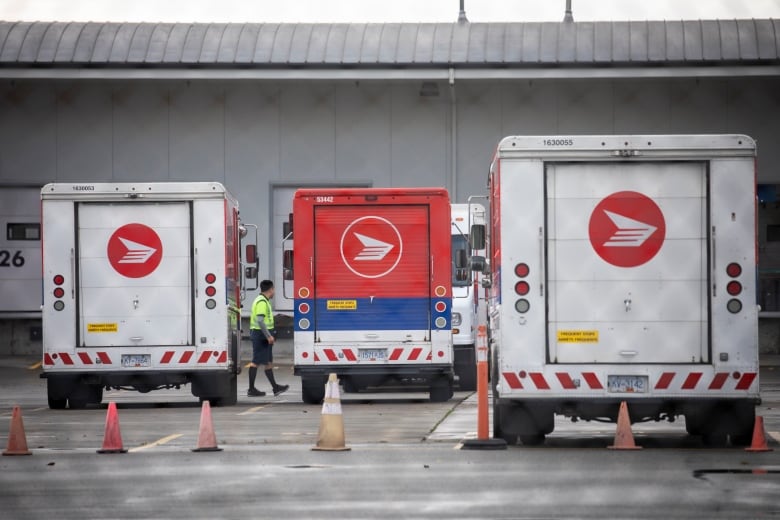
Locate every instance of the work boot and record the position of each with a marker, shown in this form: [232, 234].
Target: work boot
[254, 392]
[280, 389]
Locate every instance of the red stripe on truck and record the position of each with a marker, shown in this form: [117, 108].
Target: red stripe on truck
[592, 380]
[691, 381]
[718, 381]
[166, 357]
[539, 380]
[566, 381]
[512, 380]
[746, 380]
[85, 358]
[664, 381]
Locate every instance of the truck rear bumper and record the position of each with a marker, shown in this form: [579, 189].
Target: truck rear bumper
[640, 409]
[427, 370]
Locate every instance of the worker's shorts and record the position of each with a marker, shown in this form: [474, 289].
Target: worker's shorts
[262, 351]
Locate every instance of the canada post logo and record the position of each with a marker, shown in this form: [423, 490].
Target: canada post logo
[627, 229]
[371, 247]
[134, 250]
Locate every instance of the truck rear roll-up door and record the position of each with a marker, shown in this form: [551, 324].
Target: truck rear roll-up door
[372, 273]
[134, 269]
[627, 262]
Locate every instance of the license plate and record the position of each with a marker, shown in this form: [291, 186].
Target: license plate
[372, 354]
[627, 384]
[136, 360]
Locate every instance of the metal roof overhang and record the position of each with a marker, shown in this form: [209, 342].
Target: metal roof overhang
[453, 73]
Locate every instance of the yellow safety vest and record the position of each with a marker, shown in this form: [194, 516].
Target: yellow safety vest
[261, 305]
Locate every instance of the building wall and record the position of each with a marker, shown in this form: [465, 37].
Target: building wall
[253, 135]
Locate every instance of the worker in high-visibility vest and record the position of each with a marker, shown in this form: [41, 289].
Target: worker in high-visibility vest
[262, 333]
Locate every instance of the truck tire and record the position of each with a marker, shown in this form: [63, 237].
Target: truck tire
[82, 394]
[467, 375]
[312, 390]
[744, 422]
[58, 398]
[231, 397]
[535, 439]
[498, 431]
[440, 390]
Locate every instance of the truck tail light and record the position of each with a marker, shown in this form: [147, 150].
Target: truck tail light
[210, 290]
[522, 288]
[522, 270]
[734, 287]
[734, 269]
[58, 292]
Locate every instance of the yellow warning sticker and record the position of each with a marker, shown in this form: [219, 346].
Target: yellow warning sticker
[342, 305]
[578, 336]
[102, 327]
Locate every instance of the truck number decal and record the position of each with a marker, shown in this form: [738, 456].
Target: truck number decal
[559, 142]
[11, 260]
[325, 199]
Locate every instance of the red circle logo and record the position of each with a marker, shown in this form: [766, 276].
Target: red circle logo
[371, 247]
[134, 250]
[627, 229]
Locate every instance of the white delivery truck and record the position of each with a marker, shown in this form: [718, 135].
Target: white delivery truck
[142, 289]
[468, 308]
[623, 269]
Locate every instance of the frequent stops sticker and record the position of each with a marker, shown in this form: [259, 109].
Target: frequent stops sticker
[627, 229]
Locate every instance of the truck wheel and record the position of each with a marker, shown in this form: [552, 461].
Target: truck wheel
[498, 432]
[312, 390]
[58, 400]
[535, 439]
[440, 390]
[742, 432]
[231, 397]
[467, 375]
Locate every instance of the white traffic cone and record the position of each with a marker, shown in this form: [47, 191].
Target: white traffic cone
[331, 434]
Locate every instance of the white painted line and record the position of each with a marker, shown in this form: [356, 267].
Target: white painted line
[774, 435]
[252, 410]
[159, 442]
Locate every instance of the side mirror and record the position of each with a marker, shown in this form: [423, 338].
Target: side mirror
[478, 264]
[287, 228]
[287, 264]
[251, 254]
[477, 236]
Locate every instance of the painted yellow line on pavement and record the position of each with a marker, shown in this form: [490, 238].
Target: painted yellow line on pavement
[159, 442]
[252, 410]
[35, 366]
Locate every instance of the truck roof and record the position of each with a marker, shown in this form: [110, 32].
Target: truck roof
[360, 192]
[102, 190]
[627, 146]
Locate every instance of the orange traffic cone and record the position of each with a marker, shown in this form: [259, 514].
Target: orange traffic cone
[17, 442]
[331, 434]
[112, 440]
[207, 439]
[759, 437]
[624, 439]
